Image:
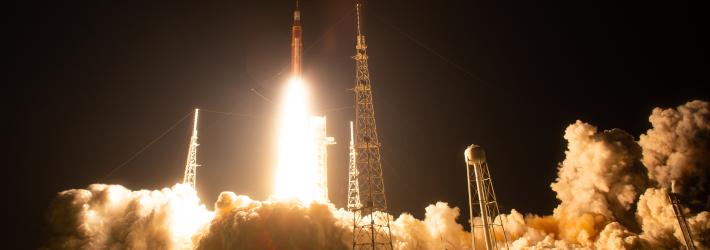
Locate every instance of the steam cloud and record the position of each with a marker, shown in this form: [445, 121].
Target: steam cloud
[113, 217]
[678, 148]
[598, 182]
[612, 193]
[242, 223]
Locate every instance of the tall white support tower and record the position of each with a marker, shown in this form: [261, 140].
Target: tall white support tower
[191, 165]
[482, 200]
[321, 143]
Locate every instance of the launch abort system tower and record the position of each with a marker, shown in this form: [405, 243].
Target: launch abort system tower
[366, 187]
[296, 44]
[482, 199]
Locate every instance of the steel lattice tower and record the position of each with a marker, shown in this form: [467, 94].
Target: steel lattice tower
[366, 187]
[482, 199]
[191, 165]
[354, 186]
[675, 199]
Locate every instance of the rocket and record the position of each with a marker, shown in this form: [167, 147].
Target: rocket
[296, 44]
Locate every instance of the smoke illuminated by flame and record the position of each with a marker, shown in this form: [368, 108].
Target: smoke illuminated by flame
[605, 201]
[190, 216]
[296, 173]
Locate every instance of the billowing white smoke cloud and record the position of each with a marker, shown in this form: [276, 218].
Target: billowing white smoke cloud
[678, 148]
[241, 223]
[113, 217]
[660, 226]
[606, 202]
[438, 230]
[598, 182]
[597, 185]
[616, 236]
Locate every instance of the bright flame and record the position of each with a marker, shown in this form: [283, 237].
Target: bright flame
[188, 216]
[297, 173]
[178, 207]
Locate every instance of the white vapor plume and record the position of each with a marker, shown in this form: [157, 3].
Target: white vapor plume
[438, 230]
[113, 217]
[615, 236]
[660, 226]
[678, 148]
[242, 223]
[612, 191]
[597, 185]
[598, 182]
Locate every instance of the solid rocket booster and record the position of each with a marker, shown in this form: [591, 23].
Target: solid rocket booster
[296, 44]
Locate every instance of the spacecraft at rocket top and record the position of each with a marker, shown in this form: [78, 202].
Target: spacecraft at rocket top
[296, 44]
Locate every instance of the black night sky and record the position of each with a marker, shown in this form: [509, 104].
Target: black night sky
[96, 81]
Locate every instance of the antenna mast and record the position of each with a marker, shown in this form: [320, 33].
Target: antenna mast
[191, 165]
[366, 187]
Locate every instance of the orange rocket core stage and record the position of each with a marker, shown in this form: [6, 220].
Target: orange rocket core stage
[296, 44]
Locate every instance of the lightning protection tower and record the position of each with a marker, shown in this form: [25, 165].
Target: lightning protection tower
[482, 200]
[674, 197]
[366, 187]
[191, 165]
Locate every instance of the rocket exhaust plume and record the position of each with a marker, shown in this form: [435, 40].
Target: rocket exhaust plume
[297, 175]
